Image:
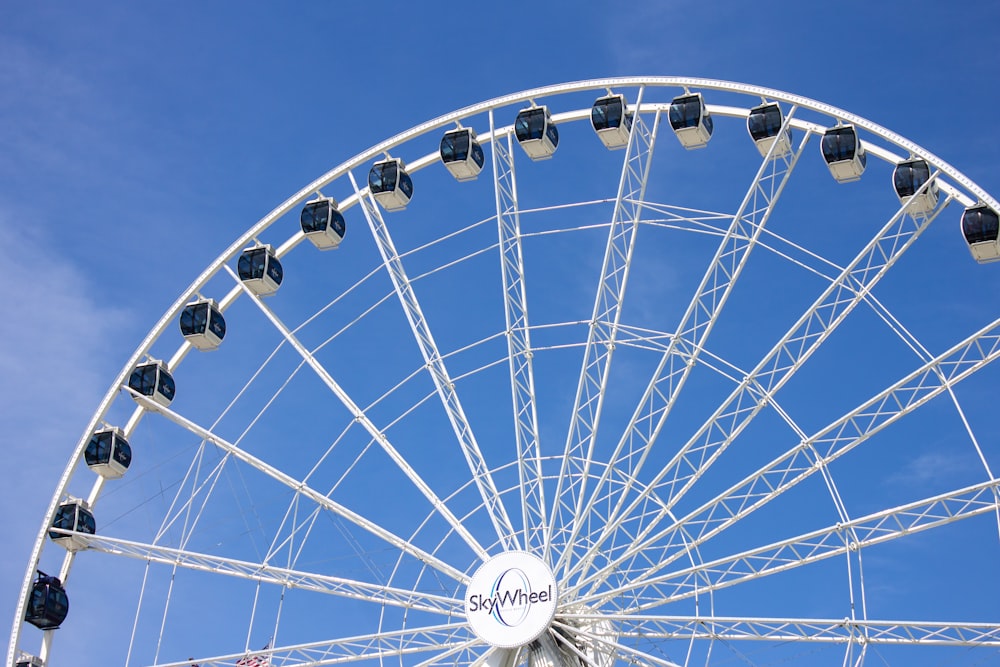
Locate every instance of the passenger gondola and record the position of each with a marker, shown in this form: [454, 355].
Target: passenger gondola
[76, 516]
[27, 660]
[981, 228]
[536, 132]
[612, 120]
[462, 154]
[108, 453]
[322, 223]
[764, 124]
[203, 325]
[844, 153]
[260, 270]
[907, 178]
[690, 120]
[153, 380]
[48, 603]
[390, 184]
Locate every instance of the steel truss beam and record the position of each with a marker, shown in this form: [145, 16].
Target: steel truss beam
[265, 573]
[585, 420]
[377, 646]
[362, 418]
[435, 365]
[695, 326]
[837, 631]
[302, 489]
[754, 392]
[835, 540]
[807, 457]
[519, 350]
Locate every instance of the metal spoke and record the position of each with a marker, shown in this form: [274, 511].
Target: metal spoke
[694, 328]
[362, 419]
[807, 457]
[266, 573]
[785, 358]
[574, 471]
[837, 631]
[519, 350]
[836, 540]
[303, 489]
[376, 646]
[439, 374]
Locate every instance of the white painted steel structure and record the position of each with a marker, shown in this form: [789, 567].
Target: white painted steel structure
[728, 439]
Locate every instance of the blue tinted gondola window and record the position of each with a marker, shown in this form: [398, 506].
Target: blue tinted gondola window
[764, 123]
[65, 520]
[143, 379]
[552, 133]
[337, 223]
[166, 386]
[375, 179]
[406, 185]
[477, 154]
[86, 523]
[251, 264]
[383, 177]
[217, 324]
[315, 215]
[980, 224]
[123, 452]
[455, 146]
[840, 144]
[274, 269]
[607, 113]
[530, 124]
[99, 448]
[908, 177]
[686, 112]
[194, 319]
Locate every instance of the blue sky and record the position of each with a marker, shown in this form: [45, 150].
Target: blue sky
[137, 141]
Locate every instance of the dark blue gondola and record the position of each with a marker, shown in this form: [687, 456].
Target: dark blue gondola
[844, 153]
[260, 270]
[202, 324]
[48, 603]
[322, 223]
[690, 120]
[153, 380]
[764, 125]
[390, 184]
[73, 515]
[981, 228]
[612, 120]
[462, 154]
[907, 179]
[108, 453]
[536, 132]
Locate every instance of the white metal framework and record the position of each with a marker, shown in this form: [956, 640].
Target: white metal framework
[777, 445]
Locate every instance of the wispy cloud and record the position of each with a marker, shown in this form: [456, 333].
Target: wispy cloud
[930, 467]
[55, 361]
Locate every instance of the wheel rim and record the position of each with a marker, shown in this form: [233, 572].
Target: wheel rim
[481, 354]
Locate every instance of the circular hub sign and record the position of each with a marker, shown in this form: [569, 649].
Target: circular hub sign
[511, 599]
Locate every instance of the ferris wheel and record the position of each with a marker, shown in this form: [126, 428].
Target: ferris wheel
[707, 388]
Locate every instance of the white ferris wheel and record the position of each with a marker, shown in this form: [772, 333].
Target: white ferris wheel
[707, 388]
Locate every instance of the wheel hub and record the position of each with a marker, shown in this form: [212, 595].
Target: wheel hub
[511, 599]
